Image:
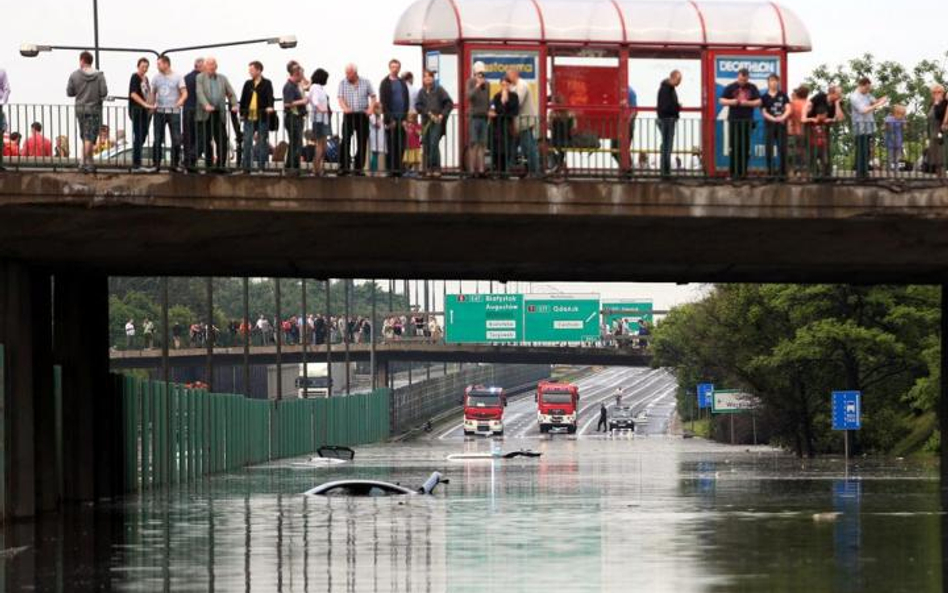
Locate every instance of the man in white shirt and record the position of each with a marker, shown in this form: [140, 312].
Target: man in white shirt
[864, 106]
[263, 324]
[130, 334]
[526, 121]
[168, 95]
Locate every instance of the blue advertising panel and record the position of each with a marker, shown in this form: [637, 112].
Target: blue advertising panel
[847, 410]
[725, 72]
[496, 64]
[705, 396]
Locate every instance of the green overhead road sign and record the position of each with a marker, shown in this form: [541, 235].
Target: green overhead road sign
[627, 309]
[484, 319]
[561, 318]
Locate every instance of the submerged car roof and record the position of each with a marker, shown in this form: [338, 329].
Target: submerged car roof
[356, 483]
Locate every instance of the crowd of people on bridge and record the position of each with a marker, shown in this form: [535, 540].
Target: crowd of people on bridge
[315, 328]
[399, 129]
[633, 333]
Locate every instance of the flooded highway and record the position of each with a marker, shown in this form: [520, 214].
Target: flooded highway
[596, 512]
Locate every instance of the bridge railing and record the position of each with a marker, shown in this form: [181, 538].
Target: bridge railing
[562, 144]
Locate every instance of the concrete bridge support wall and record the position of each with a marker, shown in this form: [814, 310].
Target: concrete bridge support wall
[57, 443]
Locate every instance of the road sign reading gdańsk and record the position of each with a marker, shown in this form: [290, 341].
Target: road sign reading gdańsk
[628, 309]
[484, 318]
[570, 318]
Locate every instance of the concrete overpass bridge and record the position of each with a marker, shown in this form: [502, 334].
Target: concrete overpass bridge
[686, 230]
[388, 352]
[62, 234]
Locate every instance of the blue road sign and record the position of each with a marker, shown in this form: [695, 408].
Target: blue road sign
[705, 396]
[847, 410]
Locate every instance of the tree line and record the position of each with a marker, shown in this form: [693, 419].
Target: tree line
[792, 345]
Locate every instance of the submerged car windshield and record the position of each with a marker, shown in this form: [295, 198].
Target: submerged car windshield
[622, 413]
[557, 397]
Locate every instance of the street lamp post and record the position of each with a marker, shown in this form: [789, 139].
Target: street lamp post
[95, 28]
[32, 50]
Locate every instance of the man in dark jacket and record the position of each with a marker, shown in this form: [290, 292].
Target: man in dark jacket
[256, 106]
[603, 425]
[434, 105]
[393, 94]
[192, 148]
[669, 112]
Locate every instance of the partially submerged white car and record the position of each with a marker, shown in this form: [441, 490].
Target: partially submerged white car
[375, 488]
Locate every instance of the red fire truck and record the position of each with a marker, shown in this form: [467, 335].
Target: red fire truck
[484, 410]
[557, 406]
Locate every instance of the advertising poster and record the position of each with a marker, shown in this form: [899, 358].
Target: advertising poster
[725, 72]
[497, 63]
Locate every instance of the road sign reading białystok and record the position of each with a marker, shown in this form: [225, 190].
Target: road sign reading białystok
[847, 410]
[484, 318]
[561, 318]
[705, 396]
[732, 402]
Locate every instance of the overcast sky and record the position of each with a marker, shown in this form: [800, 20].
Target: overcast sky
[333, 33]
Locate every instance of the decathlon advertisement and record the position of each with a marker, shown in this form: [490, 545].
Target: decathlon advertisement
[725, 72]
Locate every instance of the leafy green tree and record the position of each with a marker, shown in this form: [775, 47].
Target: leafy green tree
[793, 345]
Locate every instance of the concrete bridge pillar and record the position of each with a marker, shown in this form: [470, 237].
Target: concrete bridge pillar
[91, 410]
[943, 407]
[57, 444]
[27, 473]
[381, 373]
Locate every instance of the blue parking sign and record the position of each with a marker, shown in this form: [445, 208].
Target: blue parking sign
[847, 410]
[705, 396]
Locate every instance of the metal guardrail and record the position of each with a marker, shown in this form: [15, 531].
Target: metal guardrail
[562, 144]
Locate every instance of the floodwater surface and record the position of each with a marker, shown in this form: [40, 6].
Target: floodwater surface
[650, 512]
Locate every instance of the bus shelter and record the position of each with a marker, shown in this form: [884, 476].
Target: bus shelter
[576, 55]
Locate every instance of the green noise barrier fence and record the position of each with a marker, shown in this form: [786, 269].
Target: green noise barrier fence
[175, 435]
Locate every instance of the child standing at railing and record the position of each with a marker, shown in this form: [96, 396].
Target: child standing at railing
[895, 136]
[413, 142]
[377, 140]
